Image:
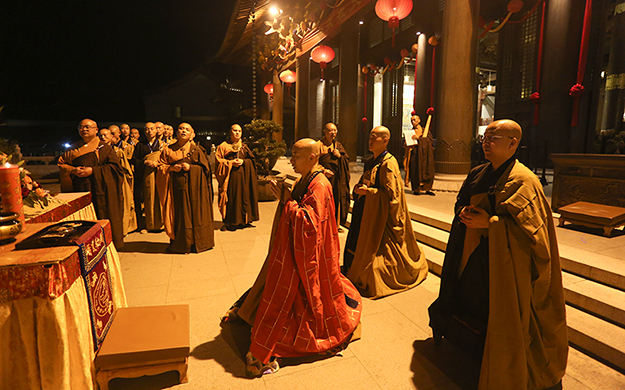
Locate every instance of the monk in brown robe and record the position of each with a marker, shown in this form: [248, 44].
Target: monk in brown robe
[307, 306]
[130, 217]
[419, 159]
[93, 166]
[501, 296]
[381, 254]
[186, 194]
[238, 183]
[335, 160]
[135, 135]
[145, 161]
[126, 147]
[125, 134]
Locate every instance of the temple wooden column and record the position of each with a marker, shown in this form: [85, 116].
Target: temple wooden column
[614, 105]
[278, 102]
[302, 86]
[423, 82]
[456, 89]
[563, 30]
[348, 87]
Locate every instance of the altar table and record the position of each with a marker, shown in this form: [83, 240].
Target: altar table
[45, 327]
[76, 206]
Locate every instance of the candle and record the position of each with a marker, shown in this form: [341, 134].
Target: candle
[11, 190]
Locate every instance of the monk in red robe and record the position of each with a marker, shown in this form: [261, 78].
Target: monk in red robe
[307, 306]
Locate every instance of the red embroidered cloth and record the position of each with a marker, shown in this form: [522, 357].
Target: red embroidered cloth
[304, 307]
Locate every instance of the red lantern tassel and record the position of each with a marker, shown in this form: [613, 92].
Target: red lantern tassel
[539, 65]
[581, 66]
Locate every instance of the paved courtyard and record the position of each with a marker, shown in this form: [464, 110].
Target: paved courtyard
[396, 350]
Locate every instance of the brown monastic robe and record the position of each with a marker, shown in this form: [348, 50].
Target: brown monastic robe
[145, 185]
[381, 247]
[526, 343]
[340, 180]
[238, 186]
[187, 201]
[103, 183]
[419, 163]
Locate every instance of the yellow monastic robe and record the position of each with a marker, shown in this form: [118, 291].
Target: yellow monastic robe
[387, 258]
[151, 202]
[127, 183]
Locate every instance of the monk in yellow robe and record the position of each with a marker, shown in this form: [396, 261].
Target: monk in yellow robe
[185, 188]
[381, 254]
[501, 296]
[126, 184]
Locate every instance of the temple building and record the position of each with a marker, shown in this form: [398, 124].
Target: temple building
[554, 66]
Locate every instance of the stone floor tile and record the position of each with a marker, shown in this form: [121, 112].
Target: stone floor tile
[218, 369]
[146, 296]
[198, 287]
[413, 304]
[206, 265]
[341, 374]
[386, 351]
[146, 270]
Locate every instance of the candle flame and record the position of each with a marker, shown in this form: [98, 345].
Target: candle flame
[7, 165]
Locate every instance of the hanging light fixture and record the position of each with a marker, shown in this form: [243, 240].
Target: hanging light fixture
[268, 89]
[288, 77]
[393, 11]
[322, 55]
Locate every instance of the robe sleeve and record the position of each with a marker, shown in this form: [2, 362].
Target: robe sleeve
[391, 186]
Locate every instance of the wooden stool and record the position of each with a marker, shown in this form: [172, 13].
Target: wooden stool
[142, 341]
[593, 215]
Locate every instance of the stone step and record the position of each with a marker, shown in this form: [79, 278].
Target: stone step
[432, 228]
[599, 338]
[594, 335]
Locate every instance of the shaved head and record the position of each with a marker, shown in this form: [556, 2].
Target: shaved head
[506, 127]
[305, 155]
[382, 131]
[501, 140]
[308, 146]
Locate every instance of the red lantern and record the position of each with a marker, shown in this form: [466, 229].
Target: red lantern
[322, 55]
[287, 76]
[268, 89]
[393, 11]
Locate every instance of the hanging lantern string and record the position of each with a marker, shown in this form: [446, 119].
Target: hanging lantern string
[578, 89]
[488, 28]
[364, 119]
[535, 97]
[416, 63]
[433, 74]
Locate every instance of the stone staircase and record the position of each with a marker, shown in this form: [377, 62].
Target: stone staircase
[594, 289]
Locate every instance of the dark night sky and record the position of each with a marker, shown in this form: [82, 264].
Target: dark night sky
[64, 60]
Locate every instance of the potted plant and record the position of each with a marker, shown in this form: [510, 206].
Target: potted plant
[266, 153]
